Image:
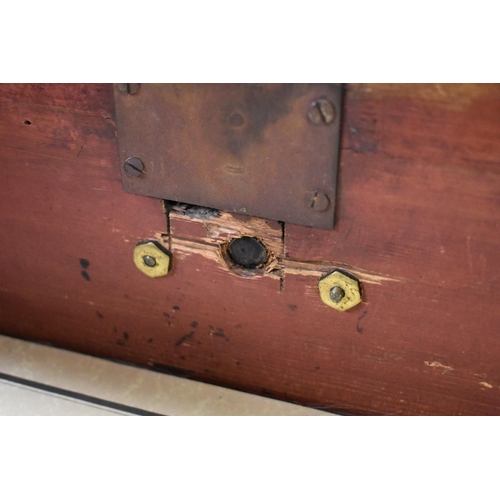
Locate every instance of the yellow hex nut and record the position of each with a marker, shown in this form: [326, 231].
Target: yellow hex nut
[340, 291]
[152, 259]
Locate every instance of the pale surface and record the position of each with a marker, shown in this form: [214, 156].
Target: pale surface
[17, 400]
[126, 385]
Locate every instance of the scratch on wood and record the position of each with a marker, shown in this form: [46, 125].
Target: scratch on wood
[319, 269]
[184, 338]
[83, 145]
[437, 364]
[485, 384]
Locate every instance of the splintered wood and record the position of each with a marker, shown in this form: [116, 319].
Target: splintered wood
[207, 232]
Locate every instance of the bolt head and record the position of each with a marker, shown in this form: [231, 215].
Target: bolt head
[149, 261]
[133, 166]
[247, 252]
[337, 294]
[152, 259]
[331, 286]
[322, 112]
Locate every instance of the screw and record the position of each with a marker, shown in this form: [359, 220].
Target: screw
[321, 112]
[317, 200]
[133, 166]
[128, 88]
[337, 294]
[149, 261]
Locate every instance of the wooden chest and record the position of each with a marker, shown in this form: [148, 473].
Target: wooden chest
[417, 224]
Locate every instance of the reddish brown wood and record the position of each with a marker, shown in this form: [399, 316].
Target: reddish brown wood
[417, 220]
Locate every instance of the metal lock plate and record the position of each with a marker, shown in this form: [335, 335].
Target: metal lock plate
[269, 150]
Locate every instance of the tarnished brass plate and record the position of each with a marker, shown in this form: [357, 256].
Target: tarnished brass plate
[257, 149]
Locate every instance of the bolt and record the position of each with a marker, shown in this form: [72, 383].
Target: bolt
[133, 166]
[340, 290]
[128, 88]
[321, 112]
[337, 294]
[152, 258]
[317, 200]
[149, 261]
[247, 252]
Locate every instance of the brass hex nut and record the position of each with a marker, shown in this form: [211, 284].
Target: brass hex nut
[152, 259]
[340, 290]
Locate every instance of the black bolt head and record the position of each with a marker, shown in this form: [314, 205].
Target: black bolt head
[247, 252]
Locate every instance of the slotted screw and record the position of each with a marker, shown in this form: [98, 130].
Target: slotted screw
[322, 112]
[317, 200]
[128, 88]
[133, 166]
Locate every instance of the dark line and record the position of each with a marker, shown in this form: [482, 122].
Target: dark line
[58, 396]
[77, 395]
[359, 329]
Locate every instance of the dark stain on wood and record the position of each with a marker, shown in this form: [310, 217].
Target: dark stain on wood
[220, 333]
[85, 274]
[184, 338]
[359, 328]
[84, 263]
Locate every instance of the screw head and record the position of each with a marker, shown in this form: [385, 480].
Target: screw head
[133, 166]
[128, 88]
[149, 261]
[322, 112]
[318, 200]
[337, 294]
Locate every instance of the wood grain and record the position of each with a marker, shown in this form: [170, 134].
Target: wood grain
[418, 216]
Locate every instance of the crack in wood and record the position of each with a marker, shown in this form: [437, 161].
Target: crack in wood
[205, 232]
